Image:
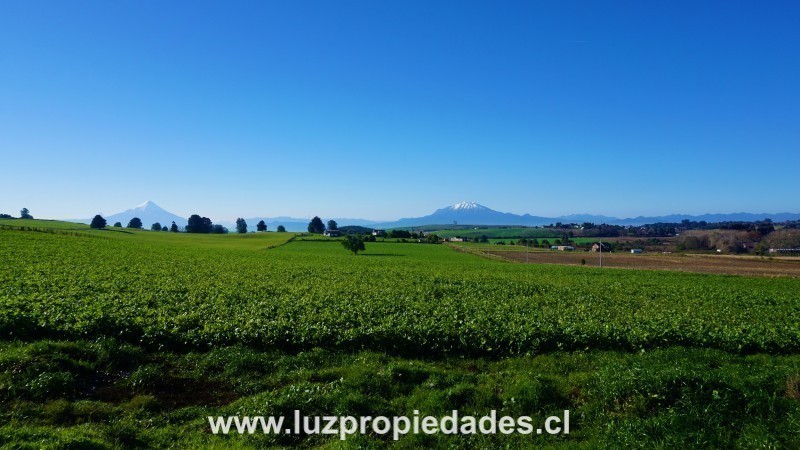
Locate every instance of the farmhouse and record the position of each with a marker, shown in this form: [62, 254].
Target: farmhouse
[379, 232]
[332, 233]
[606, 247]
[636, 251]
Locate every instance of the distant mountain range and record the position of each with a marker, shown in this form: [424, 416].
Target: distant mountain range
[464, 213]
[471, 213]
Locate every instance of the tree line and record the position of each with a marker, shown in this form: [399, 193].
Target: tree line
[24, 213]
[196, 224]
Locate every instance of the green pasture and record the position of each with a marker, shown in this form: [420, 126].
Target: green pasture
[120, 338]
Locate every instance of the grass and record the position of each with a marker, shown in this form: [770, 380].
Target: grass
[247, 241]
[131, 340]
[102, 393]
[48, 224]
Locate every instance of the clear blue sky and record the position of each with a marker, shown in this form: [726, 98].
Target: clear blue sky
[379, 109]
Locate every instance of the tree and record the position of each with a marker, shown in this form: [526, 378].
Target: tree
[117, 224]
[218, 229]
[354, 243]
[316, 225]
[155, 227]
[98, 222]
[281, 229]
[135, 223]
[765, 228]
[261, 226]
[173, 228]
[164, 228]
[5, 216]
[241, 225]
[785, 238]
[332, 225]
[199, 224]
[693, 243]
[400, 234]
[25, 214]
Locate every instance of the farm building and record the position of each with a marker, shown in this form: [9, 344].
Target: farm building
[606, 247]
[456, 239]
[332, 233]
[379, 232]
[637, 251]
[562, 248]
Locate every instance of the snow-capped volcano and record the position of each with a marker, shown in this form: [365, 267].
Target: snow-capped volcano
[466, 213]
[467, 206]
[146, 204]
[149, 213]
[463, 209]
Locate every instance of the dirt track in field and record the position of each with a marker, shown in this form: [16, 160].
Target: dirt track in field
[722, 264]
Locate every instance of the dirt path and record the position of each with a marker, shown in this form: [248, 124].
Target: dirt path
[724, 264]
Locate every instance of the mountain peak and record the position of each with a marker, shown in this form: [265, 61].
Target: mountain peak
[149, 213]
[462, 206]
[147, 203]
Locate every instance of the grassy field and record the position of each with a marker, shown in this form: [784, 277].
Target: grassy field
[248, 241]
[115, 339]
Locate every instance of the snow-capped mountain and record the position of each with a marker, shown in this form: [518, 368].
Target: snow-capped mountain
[466, 206]
[149, 213]
[462, 213]
[468, 213]
[471, 213]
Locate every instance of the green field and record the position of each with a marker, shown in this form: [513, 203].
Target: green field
[118, 338]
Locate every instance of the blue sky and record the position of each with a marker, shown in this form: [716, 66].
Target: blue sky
[389, 109]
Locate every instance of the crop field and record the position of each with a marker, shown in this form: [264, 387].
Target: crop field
[120, 338]
[684, 262]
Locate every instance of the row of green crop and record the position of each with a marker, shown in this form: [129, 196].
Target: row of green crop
[402, 298]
